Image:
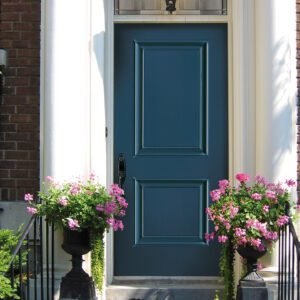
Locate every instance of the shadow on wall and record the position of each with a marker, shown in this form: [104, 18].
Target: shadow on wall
[282, 110]
[275, 70]
[98, 42]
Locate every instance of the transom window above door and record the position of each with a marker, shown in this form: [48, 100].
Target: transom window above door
[179, 7]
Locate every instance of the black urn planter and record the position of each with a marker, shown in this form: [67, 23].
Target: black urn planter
[77, 284]
[252, 285]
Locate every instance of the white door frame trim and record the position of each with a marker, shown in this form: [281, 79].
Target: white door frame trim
[236, 91]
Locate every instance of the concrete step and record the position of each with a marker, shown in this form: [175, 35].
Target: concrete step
[171, 288]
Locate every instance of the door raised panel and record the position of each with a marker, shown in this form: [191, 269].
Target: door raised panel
[170, 211]
[170, 98]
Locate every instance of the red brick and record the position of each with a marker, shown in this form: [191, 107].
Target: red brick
[4, 173]
[29, 164]
[11, 17]
[19, 173]
[27, 71]
[27, 183]
[21, 118]
[17, 136]
[8, 146]
[7, 183]
[17, 155]
[27, 90]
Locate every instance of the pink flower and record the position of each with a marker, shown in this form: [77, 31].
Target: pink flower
[31, 210]
[49, 178]
[75, 189]
[255, 242]
[100, 207]
[110, 221]
[63, 201]
[73, 224]
[270, 194]
[291, 182]
[256, 196]
[110, 208]
[122, 213]
[282, 220]
[233, 212]
[92, 176]
[227, 225]
[260, 179]
[266, 208]
[242, 240]
[240, 232]
[271, 235]
[222, 239]
[116, 190]
[215, 195]
[28, 197]
[210, 236]
[223, 184]
[249, 223]
[122, 201]
[120, 225]
[216, 228]
[242, 177]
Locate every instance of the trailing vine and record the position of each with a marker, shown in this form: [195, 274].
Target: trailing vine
[97, 259]
[227, 269]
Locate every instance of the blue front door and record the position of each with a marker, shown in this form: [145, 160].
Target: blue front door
[171, 125]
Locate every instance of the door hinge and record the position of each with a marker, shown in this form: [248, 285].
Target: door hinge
[106, 131]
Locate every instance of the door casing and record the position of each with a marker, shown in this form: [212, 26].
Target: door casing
[233, 91]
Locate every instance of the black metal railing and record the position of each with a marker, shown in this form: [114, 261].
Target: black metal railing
[288, 263]
[31, 268]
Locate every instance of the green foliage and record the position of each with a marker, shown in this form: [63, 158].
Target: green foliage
[248, 214]
[80, 204]
[97, 257]
[227, 270]
[8, 242]
[217, 295]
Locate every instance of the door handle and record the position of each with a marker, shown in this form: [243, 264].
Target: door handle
[121, 169]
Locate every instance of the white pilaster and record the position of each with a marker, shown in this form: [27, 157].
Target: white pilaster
[243, 83]
[275, 95]
[72, 93]
[276, 89]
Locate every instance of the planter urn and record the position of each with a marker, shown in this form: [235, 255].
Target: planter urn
[77, 284]
[252, 285]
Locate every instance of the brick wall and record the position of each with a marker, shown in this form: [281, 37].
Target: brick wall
[19, 133]
[298, 85]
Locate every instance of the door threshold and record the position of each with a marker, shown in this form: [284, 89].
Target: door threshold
[164, 288]
[166, 280]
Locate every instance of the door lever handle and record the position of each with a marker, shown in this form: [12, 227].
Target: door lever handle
[121, 169]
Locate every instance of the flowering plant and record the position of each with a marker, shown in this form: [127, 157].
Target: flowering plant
[248, 214]
[80, 204]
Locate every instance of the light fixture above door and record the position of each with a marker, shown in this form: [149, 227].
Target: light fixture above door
[164, 7]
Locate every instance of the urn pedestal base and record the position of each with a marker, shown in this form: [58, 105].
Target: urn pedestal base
[77, 284]
[252, 286]
[250, 290]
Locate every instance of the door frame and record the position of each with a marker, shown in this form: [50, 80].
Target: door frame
[241, 89]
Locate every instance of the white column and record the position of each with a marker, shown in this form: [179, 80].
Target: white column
[275, 93]
[72, 94]
[276, 89]
[243, 82]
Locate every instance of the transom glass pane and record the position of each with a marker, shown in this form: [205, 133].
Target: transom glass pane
[183, 7]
